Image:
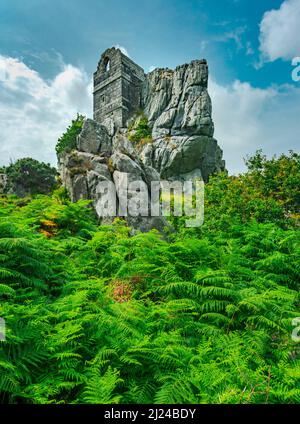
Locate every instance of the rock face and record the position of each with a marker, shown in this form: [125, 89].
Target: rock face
[94, 138]
[177, 107]
[177, 102]
[112, 162]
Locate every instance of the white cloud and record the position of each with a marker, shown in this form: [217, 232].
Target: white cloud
[248, 118]
[235, 34]
[123, 49]
[34, 112]
[249, 49]
[279, 32]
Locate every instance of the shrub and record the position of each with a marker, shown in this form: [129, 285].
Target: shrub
[140, 130]
[67, 141]
[28, 177]
[278, 178]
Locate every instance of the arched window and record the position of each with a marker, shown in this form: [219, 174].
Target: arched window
[107, 64]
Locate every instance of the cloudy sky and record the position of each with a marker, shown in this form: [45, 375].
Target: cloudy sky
[49, 50]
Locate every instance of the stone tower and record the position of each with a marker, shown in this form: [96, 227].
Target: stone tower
[117, 87]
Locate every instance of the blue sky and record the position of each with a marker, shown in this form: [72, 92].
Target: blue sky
[51, 48]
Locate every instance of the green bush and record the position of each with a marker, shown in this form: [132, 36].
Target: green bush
[140, 130]
[67, 141]
[29, 177]
[278, 178]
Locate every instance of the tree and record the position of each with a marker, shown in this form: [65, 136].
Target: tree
[28, 177]
[277, 178]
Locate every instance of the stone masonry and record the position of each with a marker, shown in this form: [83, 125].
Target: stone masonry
[118, 85]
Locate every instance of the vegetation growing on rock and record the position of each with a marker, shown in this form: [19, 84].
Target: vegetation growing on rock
[67, 141]
[139, 130]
